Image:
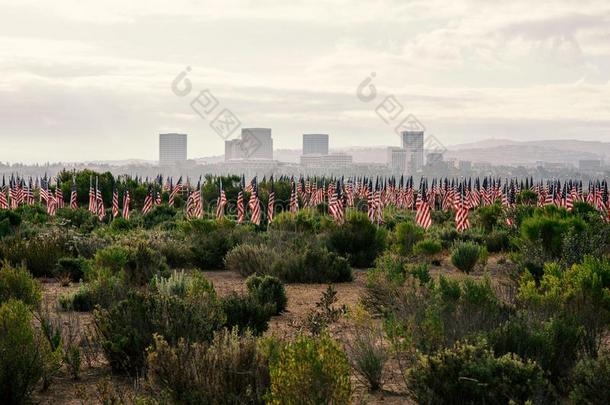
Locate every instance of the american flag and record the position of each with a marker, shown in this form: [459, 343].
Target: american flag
[222, 202]
[148, 202]
[335, 205]
[29, 193]
[378, 204]
[59, 195]
[254, 204]
[370, 200]
[294, 202]
[99, 201]
[73, 196]
[3, 198]
[51, 204]
[115, 201]
[461, 214]
[241, 211]
[126, 201]
[198, 210]
[422, 216]
[175, 191]
[92, 199]
[194, 208]
[271, 202]
[44, 191]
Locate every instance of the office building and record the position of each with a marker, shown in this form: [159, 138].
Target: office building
[172, 149]
[397, 160]
[326, 161]
[413, 143]
[256, 143]
[589, 165]
[315, 144]
[233, 150]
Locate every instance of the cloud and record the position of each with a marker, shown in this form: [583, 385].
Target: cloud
[92, 80]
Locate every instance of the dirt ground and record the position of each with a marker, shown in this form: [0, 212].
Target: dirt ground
[302, 298]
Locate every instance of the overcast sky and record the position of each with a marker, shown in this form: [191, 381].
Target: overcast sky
[83, 80]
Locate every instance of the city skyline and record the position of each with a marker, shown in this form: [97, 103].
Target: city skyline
[85, 82]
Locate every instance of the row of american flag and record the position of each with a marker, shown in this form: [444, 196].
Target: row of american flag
[458, 195]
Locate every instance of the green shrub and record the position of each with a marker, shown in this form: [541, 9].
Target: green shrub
[247, 313]
[176, 284]
[313, 264]
[144, 263]
[471, 373]
[405, 236]
[466, 255]
[73, 267]
[497, 241]
[527, 197]
[392, 265]
[548, 232]
[581, 292]
[81, 300]
[80, 218]
[114, 258]
[209, 249]
[268, 290]
[178, 253]
[160, 215]
[120, 225]
[591, 379]
[39, 253]
[489, 216]
[105, 289]
[436, 314]
[552, 344]
[419, 271]
[17, 282]
[21, 359]
[127, 329]
[9, 222]
[367, 350]
[229, 370]
[325, 312]
[358, 240]
[428, 248]
[304, 220]
[315, 368]
[250, 259]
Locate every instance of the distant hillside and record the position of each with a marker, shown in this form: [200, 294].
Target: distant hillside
[495, 151]
[506, 152]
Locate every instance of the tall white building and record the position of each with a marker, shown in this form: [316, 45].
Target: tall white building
[254, 144]
[397, 160]
[233, 149]
[413, 143]
[172, 149]
[315, 144]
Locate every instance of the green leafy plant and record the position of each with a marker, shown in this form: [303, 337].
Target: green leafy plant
[229, 370]
[268, 290]
[590, 380]
[18, 283]
[315, 368]
[466, 255]
[246, 312]
[471, 373]
[23, 353]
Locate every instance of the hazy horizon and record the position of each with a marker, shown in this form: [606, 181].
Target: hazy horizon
[85, 82]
